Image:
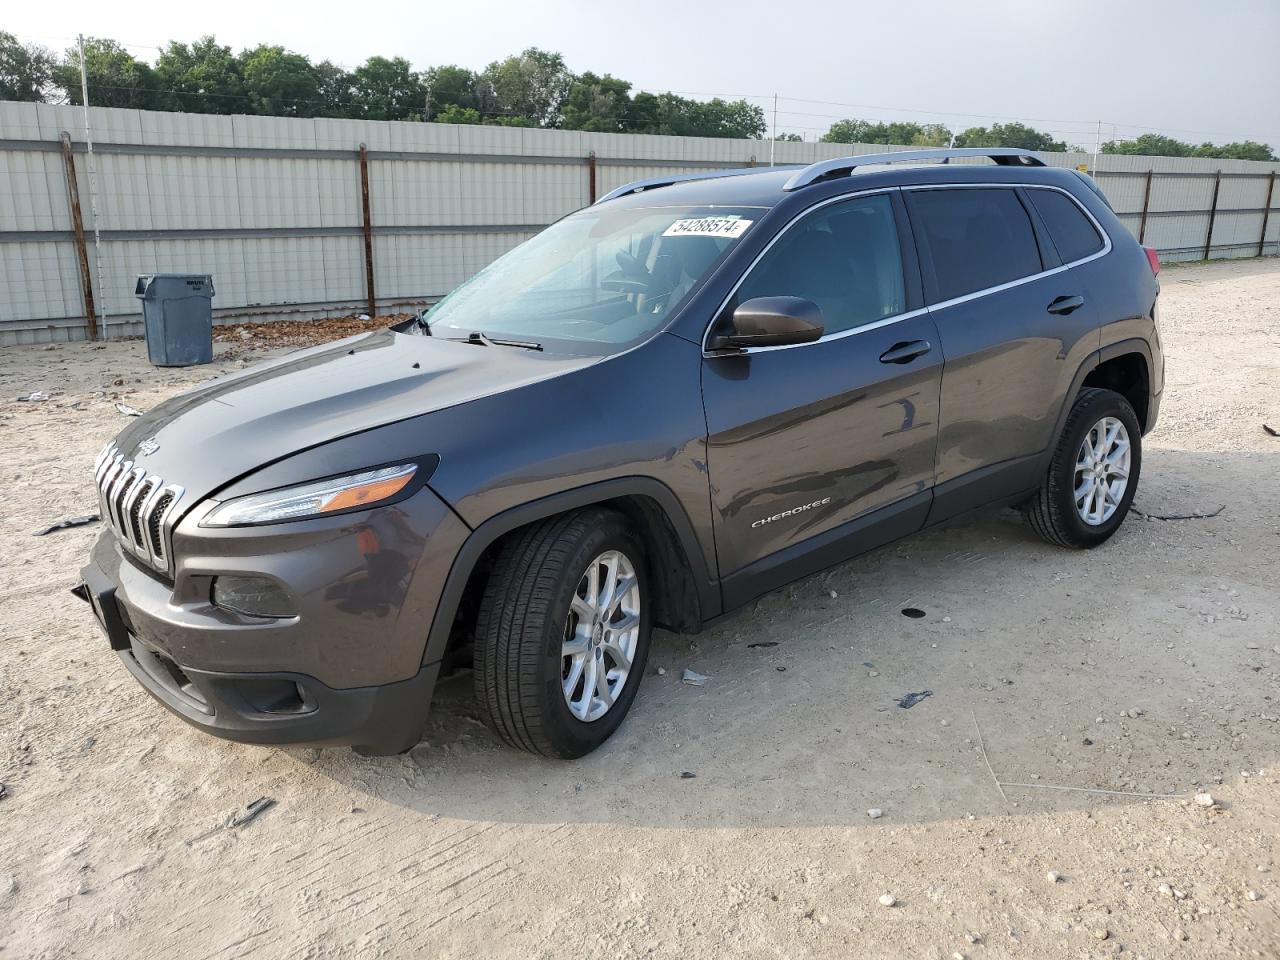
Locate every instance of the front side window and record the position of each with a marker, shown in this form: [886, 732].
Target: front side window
[597, 281]
[844, 257]
[1071, 232]
[976, 238]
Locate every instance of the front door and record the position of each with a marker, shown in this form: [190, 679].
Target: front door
[806, 440]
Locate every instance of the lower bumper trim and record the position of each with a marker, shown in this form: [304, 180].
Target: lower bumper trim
[288, 708]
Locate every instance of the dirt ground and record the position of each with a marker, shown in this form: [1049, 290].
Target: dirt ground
[1149, 666]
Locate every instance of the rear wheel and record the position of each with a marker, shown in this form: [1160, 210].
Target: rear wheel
[1093, 473]
[563, 633]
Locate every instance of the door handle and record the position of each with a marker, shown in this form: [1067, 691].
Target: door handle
[906, 352]
[1066, 305]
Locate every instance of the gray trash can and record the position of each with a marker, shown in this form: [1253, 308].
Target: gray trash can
[177, 310]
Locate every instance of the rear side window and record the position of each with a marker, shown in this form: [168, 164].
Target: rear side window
[844, 257]
[975, 238]
[1072, 233]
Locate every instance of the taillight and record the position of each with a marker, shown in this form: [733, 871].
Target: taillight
[1153, 258]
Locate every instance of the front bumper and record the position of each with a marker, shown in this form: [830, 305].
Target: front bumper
[346, 670]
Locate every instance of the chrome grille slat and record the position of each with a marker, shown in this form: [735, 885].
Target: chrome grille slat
[139, 507]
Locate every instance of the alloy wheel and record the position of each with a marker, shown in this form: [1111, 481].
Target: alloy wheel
[1102, 471]
[600, 636]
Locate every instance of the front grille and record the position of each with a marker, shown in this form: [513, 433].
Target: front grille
[139, 507]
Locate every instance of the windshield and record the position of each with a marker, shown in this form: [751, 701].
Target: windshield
[597, 281]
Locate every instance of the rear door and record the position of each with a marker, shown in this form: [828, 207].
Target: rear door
[1014, 325]
[805, 439]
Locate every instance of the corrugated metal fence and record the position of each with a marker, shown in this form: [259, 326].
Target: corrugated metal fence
[292, 217]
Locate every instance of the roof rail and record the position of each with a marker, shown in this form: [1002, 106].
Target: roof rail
[636, 186]
[1005, 156]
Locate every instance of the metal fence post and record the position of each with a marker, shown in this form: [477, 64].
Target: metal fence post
[77, 223]
[1266, 213]
[1213, 214]
[368, 230]
[1146, 204]
[591, 177]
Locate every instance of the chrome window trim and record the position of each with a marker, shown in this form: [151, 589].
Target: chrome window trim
[1107, 247]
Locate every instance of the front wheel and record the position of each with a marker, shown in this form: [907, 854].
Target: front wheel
[563, 633]
[1092, 475]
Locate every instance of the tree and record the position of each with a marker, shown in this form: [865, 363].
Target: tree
[1158, 145]
[26, 70]
[1149, 145]
[116, 79]
[596, 103]
[532, 85]
[667, 113]
[450, 86]
[894, 132]
[1009, 135]
[280, 83]
[789, 138]
[1241, 150]
[388, 90]
[204, 77]
[336, 89]
[456, 114]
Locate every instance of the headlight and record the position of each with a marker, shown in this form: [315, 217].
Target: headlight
[313, 499]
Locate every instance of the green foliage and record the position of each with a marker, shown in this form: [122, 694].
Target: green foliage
[1150, 145]
[896, 132]
[116, 79]
[387, 90]
[26, 70]
[336, 89]
[599, 104]
[532, 89]
[204, 76]
[279, 82]
[452, 87]
[668, 113]
[1154, 145]
[1009, 135]
[531, 86]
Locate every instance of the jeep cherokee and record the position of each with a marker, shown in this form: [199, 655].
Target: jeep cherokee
[690, 393]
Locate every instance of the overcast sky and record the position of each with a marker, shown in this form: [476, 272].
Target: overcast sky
[1194, 70]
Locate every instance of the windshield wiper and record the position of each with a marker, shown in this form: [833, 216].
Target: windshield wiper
[480, 339]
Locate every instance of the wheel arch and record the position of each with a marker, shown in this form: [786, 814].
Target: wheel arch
[684, 592]
[1101, 360]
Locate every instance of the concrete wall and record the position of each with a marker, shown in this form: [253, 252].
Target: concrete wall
[271, 206]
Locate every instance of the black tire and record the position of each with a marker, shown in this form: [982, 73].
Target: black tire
[520, 629]
[1052, 511]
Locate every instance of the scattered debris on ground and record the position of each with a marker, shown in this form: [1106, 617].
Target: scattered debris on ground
[69, 524]
[693, 678]
[911, 699]
[303, 333]
[1193, 515]
[127, 410]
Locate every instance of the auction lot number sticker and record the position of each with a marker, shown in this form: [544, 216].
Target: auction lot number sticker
[730, 227]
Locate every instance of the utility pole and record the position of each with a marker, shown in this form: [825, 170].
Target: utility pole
[426, 107]
[93, 187]
[774, 138]
[1097, 148]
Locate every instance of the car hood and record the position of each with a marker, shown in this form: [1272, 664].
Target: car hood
[207, 437]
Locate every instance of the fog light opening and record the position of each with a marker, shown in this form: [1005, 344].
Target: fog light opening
[252, 597]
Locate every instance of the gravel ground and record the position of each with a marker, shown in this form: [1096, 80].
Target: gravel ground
[1150, 666]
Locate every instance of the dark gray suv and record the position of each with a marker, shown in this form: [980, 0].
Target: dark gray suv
[697, 390]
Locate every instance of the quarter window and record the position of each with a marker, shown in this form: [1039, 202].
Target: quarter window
[975, 238]
[1072, 233]
[844, 257]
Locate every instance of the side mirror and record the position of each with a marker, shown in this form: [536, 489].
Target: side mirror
[769, 322]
